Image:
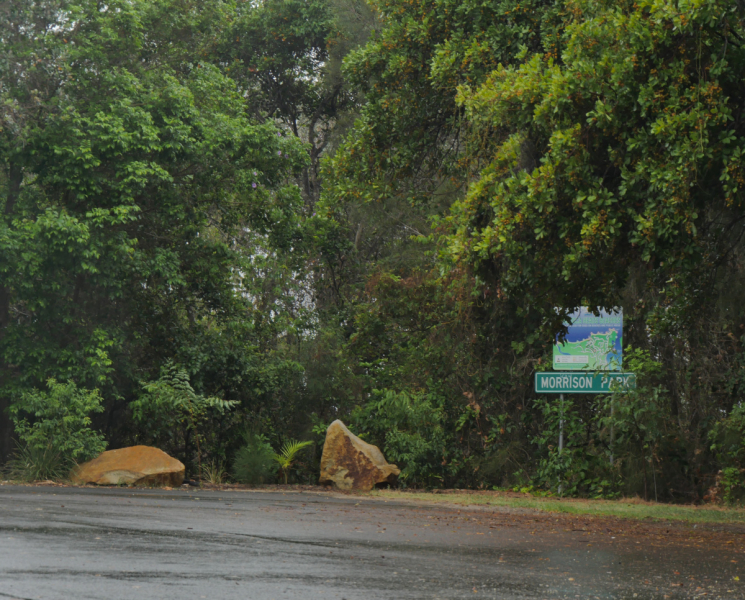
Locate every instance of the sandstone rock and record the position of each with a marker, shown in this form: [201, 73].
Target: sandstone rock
[349, 463]
[137, 465]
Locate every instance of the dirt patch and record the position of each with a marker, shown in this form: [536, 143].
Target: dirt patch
[592, 529]
[615, 530]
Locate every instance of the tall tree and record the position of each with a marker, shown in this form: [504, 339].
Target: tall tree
[633, 195]
[132, 175]
[403, 161]
[408, 139]
[636, 135]
[286, 57]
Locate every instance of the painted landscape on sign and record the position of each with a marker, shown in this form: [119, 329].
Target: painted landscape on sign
[592, 343]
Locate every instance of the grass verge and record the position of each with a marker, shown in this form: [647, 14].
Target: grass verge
[630, 508]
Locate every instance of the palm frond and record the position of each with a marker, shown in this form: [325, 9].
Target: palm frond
[286, 456]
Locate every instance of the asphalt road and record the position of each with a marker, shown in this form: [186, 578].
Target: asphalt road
[68, 543]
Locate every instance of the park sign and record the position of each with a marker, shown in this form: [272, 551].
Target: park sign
[592, 343]
[584, 383]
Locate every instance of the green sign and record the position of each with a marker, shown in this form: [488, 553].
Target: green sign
[584, 383]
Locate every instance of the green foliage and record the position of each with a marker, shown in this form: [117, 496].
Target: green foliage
[54, 430]
[287, 455]
[733, 485]
[614, 444]
[407, 139]
[255, 461]
[170, 410]
[580, 468]
[285, 56]
[410, 429]
[728, 445]
[621, 443]
[640, 431]
[599, 142]
[34, 463]
[320, 428]
[333, 209]
[135, 189]
[728, 438]
[619, 157]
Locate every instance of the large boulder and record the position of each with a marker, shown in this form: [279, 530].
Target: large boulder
[349, 463]
[137, 465]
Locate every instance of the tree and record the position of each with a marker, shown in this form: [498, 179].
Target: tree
[632, 194]
[591, 154]
[636, 137]
[132, 173]
[408, 139]
[403, 164]
[286, 56]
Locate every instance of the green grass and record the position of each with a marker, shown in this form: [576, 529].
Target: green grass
[627, 509]
[30, 463]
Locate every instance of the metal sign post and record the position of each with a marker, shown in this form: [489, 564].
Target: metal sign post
[561, 424]
[561, 433]
[587, 361]
[611, 433]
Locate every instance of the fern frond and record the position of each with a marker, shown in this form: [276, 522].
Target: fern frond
[286, 456]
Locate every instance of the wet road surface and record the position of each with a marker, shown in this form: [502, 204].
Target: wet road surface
[71, 543]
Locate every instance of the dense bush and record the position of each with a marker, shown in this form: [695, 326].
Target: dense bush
[728, 444]
[409, 429]
[54, 430]
[171, 415]
[255, 461]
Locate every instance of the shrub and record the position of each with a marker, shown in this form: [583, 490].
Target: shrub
[410, 426]
[728, 445]
[172, 415]
[580, 467]
[255, 462]
[285, 458]
[732, 482]
[642, 434]
[53, 428]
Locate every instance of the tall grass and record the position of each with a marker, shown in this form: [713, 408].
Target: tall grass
[34, 463]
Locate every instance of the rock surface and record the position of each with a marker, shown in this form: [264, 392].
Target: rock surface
[349, 463]
[137, 465]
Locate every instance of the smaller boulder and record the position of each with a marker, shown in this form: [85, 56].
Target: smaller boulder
[349, 463]
[136, 465]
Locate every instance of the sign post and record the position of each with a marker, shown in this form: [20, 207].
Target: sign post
[561, 433]
[587, 361]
